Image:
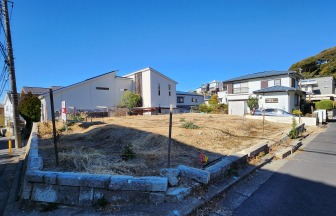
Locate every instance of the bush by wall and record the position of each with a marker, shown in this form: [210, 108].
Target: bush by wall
[324, 104]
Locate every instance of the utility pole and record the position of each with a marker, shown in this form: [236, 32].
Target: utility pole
[10, 62]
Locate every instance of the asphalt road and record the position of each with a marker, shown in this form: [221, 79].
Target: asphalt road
[305, 185]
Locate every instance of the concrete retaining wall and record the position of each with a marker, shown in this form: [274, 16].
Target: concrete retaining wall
[86, 189]
[310, 121]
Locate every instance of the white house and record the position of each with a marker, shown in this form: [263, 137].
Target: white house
[274, 89]
[156, 89]
[185, 100]
[105, 90]
[8, 110]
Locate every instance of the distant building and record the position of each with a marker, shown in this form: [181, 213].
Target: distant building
[185, 100]
[210, 88]
[319, 88]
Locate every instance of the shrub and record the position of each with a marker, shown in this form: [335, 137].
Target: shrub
[182, 119]
[293, 134]
[190, 125]
[253, 102]
[297, 112]
[324, 104]
[130, 100]
[205, 108]
[220, 108]
[127, 153]
[213, 100]
[30, 110]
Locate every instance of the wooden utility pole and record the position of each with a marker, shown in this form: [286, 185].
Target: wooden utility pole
[10, 62]
[53, 124]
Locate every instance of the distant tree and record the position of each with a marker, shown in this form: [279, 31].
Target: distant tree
[320, 65]
[253, 103]
[30, 110]
[213, 100]
[130, 100]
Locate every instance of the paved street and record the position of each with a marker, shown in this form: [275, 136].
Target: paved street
[304, 184]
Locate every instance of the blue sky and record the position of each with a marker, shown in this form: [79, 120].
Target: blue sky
[196, 41]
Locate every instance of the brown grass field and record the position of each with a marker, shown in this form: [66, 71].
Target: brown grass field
[97, 146]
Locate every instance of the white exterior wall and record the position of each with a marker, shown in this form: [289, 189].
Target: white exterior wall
[8, 111]
[122, 85]
[222, 96]
[85, 95]
[283, 101]
[163, 100]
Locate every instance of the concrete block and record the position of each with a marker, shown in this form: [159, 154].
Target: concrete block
[83, 179]
[34, 163]
[283, 153]
[198, 175]
[26, 190]
[50, 177]
[121, 197]
[295, 146]
[85, 196]
[34, 176]
[150, 183]
[55, 194]
[239, 158]
[177, 194]
[171, 174]
[157, 198]
[256, 149]
[219, 169]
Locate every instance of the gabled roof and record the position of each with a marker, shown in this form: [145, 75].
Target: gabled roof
[276, 89]
[152, 70]
[187, 93]
[262, 75]
[38, 90]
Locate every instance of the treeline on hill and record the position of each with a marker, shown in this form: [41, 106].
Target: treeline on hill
[320, 65]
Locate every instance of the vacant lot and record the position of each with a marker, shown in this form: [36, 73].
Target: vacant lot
[98, 146]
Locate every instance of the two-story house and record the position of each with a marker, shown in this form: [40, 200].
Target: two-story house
[322, 88]
[274, 89]
[185, 100]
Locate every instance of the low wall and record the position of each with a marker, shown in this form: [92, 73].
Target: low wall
[86, 189]
[310, 121]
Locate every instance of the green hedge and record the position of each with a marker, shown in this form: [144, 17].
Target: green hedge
[324, 104]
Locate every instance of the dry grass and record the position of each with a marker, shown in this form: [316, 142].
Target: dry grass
[96, 147]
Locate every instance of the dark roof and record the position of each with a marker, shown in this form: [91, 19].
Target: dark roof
[38, 90]
[275, 89]
[187, 93]
[261, 75]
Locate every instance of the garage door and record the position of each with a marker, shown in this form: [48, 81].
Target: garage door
[237, 107]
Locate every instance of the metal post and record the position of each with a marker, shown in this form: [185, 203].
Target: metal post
[10, 62]
[170, 131]
[53, 123]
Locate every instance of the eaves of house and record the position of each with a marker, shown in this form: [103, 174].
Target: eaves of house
[278, 89]
[152, 70]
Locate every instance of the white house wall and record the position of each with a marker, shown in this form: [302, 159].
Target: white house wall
[85, 95]
[163, 100]
[283, 101]
[122, 85]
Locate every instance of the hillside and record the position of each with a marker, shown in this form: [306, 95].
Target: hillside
[320, 65]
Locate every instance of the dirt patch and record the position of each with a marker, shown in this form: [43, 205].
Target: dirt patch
[96, 147]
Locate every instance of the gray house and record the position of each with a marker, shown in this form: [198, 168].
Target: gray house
[319, 88]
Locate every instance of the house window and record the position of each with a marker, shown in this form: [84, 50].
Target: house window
[169, 90]
[224, 87]
[296, 98]
[194, 100]
[159, 91]
[240, 88]
[102, 88]
[293, 82]
[277, 82]
[180, 99]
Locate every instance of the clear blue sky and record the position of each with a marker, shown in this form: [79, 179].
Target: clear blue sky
[60, 42]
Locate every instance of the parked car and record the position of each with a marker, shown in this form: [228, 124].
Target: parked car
[274, 112]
